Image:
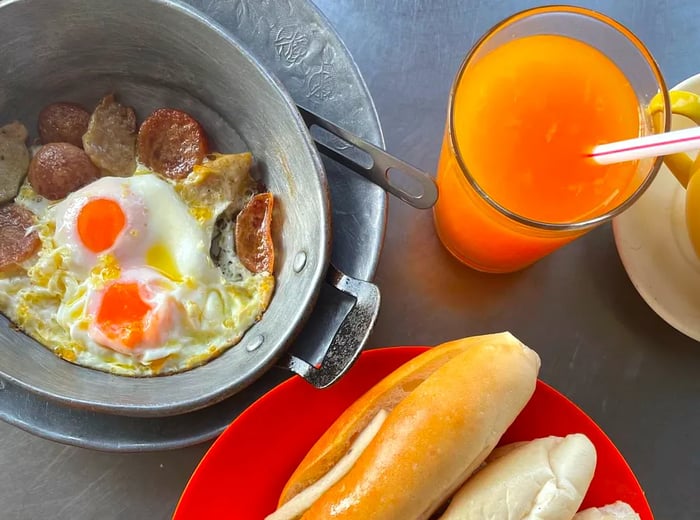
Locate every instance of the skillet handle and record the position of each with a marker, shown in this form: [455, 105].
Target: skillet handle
[378, 166]
[347, 343]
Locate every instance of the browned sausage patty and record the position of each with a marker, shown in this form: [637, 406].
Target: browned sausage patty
[171, 142]
[254, 234]
[59, 169]
[16, 245]
[63, 123]
[110, 140]
[14, 159]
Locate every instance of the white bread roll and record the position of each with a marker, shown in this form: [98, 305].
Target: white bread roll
[545, 479]
[616, 511]
[447, 410]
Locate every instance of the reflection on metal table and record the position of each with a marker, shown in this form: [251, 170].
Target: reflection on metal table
[600, 343]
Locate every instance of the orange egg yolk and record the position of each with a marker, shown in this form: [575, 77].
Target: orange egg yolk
[123, 313]
[99, 224]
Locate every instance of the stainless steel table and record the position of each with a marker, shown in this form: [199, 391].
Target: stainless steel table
[600, 344]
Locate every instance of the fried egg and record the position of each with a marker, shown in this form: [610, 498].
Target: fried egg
[125, 281]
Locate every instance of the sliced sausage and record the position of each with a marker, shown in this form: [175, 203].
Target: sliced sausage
[17, 243]
[171, 142]
[63, 123]
[59, 169]
[14, 159]
[254, 234]
[110, 140]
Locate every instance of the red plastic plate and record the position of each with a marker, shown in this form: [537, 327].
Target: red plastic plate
[244, 471]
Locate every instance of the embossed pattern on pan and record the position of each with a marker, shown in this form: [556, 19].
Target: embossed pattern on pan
[296, 42]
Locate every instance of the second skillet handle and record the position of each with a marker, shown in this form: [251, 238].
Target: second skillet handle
[347, 343]
[381, 163]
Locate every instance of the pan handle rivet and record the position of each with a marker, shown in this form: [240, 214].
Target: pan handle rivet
[255, 344]
[2, 385]
[299, 262]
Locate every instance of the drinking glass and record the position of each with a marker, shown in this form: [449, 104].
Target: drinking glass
[513, 186]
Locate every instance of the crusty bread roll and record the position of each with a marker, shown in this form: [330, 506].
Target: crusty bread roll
[544, 479]
[615, 511]
[447, 410]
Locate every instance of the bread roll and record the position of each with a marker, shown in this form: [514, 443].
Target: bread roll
[545, 479]
[447, 410]
[615, 511]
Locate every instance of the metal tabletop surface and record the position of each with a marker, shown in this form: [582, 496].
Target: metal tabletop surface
[601, 345]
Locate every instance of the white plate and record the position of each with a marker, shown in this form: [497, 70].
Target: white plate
[652, 240]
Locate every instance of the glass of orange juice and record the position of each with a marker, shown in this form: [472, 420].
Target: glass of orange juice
[531, 99]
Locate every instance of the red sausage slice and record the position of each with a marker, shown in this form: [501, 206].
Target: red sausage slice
[63, 123]
[254, 234]
[59, 169]
[171, 143]
[110, 140]
[16, 244]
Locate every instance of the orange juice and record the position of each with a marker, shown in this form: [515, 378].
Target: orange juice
[523, 118]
